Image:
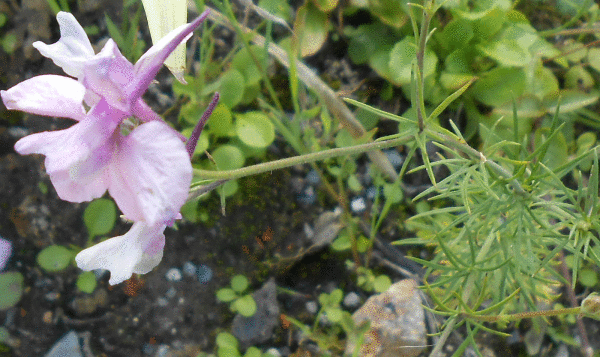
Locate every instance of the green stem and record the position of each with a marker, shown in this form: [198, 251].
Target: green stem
[301, 159]
[466, 294]
[525, 315]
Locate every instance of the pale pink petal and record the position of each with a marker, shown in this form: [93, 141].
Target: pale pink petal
[126, 254]
[144, 113]
[77, 157]
[48, 95]
[150, 63]
[151, 174]
[107, 74]
[5, 252]
[73, 49]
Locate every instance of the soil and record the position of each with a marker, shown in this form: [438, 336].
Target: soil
[262, 235]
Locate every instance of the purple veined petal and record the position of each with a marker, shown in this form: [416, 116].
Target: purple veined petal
[77, 158]
[48, 95]
[73, 49]
[150, 63]
[5, 252]
[150, 174]
[126, 254]
[107, 74]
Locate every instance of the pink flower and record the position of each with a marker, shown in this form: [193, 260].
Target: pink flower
[120, 144]
[147, 171]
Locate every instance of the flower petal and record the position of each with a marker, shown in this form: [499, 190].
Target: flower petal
[77, 157]
[108, 74]
[73, 49]
[150, 174]
[149, 64]
[126, 254]
[163, 17]
[49, 95]
[5, 252]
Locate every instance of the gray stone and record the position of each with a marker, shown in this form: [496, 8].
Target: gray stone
[173, 274]
[67, 346]
[397, 320]
[258, 328]
[351, 299]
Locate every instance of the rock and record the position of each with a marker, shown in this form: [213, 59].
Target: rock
[397, 323]
[351, 300]
[258, 328]
[67, 346]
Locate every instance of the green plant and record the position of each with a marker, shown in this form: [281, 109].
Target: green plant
[126, 36]
[239, 302]
[11, 285]
[328, 336]
[228, 346]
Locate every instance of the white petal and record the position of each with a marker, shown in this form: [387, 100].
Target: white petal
[72, 50]
[124, 255]
[49, 95]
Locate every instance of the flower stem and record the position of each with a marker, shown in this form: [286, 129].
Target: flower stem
[300, 159]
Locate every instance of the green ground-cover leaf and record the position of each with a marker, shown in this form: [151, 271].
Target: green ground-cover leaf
[11, 285]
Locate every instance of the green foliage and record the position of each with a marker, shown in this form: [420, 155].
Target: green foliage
[86, 282]
[239, 302]
[54, 258]
[100, 217]
[126, 36]
[329, 338]
[228, 346]
[368, 281]
[11, 285]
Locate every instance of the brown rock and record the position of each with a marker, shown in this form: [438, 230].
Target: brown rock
[397, 323]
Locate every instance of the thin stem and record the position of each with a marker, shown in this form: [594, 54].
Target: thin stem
[524, 315]
[420, 67]
[300, 159]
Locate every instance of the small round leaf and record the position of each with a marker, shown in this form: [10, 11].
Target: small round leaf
[245, 305]
[226, 295]
[231, 88]
[11, 286]
[228, 157]
[239, 283]
[100, 217]
[54, 258]
[255, 129]
[86, 282]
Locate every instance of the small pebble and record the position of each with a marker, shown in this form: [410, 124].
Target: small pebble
[273, 352]
[52, 296]
[173, 274]
[395, 158]
[313, 178]
[204, 273]
[148, 349]
[307, 196]
[189, 269]
[171, 293]
[351, 299]
[371, 193]
[162, 302]
[162, 351]
[312, 307]
[358, 205]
